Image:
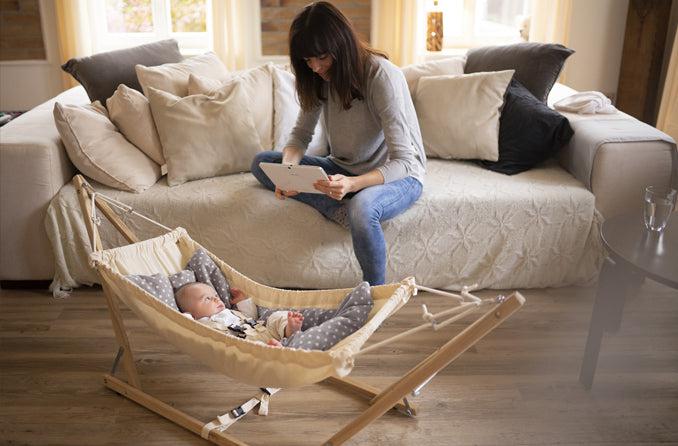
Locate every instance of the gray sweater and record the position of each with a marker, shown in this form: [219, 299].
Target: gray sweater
[380, 132]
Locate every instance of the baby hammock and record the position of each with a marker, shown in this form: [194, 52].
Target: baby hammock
[256, 363]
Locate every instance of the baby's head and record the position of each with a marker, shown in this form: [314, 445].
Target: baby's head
[198, 299]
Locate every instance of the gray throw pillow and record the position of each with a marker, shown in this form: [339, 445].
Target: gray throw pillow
[537, 65]
[101, 73]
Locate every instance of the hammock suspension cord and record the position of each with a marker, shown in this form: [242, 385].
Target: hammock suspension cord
[118, 205]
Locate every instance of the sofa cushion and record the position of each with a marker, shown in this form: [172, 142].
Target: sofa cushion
[285, 111]
[529, 132]
[459, 115]
[100, 151]
[173, 77]
[449, 65]
[101, 73]
[258, 84]
[131, 113]
[204, 136]
[537, 65]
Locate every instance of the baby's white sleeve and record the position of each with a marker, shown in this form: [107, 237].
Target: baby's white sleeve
[248, 308]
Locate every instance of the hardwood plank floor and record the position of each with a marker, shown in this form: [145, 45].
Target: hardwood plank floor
[519, 386]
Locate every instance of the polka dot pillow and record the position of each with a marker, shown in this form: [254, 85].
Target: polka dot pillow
[200, 268]
[323, 328]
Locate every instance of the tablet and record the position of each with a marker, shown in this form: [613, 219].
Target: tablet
[298, 178]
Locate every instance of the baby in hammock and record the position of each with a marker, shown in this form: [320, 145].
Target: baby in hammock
[202, 302]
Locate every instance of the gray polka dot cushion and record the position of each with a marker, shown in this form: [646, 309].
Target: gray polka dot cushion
[323, 328]
[200, 268]
[157, 285]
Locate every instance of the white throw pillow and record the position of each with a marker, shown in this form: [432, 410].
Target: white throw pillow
[205, 136]
[131, 113]
[451, 65]
[258, 86]
[459, 115]
[285, 112]
[173, 77]
[100, 151]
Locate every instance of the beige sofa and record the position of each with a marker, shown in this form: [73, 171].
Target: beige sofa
[536, 229]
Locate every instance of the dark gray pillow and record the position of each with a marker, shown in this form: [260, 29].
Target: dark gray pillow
[529, 132]
[537, 65]
[101, 73]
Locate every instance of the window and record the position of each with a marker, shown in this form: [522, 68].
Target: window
[125, 23]
[472, 23]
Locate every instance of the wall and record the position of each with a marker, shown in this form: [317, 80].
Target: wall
[27, 83]
[276, 16]
[20, 30]
[597, 36]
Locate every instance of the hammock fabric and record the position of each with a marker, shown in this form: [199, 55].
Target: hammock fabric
[246, 361]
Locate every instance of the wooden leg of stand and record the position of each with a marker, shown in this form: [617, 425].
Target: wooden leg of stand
[430, 366]
[366, 391]
[123, 341]
[165, 410]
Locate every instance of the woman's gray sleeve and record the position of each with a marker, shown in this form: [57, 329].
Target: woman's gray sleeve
[389, 105]
[302, 132]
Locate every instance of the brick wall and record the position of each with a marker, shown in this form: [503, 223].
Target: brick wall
[20, 30]
[277, 15]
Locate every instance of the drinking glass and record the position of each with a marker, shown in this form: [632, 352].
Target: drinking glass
[659, 204]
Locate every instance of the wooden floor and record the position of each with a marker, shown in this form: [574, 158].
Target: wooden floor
[519, 386]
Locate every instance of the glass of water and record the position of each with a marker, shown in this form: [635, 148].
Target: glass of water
[659, 204]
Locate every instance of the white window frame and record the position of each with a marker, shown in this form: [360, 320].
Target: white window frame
[468, 39]
[189, 43]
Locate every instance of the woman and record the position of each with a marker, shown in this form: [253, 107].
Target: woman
[376, 163]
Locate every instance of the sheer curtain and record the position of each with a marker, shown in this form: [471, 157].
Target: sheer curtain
[667, 121]
[550, 23]
[395, 28]
[73, 34]
[230, 19]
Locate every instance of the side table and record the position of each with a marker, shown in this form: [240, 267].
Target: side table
[633, 254]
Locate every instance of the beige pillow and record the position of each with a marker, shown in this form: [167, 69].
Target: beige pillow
[459, 115]
[173, 77]
[131, 113]
[100, 151]
[258, 86]
[205, 136]
[440, 67]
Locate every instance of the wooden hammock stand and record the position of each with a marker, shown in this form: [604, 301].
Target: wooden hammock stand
[380, 401]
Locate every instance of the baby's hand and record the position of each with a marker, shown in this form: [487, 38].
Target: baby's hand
[237, 295]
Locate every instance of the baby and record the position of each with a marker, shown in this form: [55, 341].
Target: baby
[202, 302]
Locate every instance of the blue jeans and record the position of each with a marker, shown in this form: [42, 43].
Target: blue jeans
[366, 209]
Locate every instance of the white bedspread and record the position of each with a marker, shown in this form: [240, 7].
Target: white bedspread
[535, 229]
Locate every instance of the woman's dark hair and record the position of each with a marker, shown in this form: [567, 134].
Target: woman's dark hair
[320, 28]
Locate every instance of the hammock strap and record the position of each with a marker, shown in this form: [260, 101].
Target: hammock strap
[223, 422]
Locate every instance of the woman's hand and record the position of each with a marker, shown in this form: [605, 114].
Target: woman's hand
[337, 187]
[281, 194]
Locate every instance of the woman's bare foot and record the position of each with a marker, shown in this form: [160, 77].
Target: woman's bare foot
[274, 343]
[294, 322]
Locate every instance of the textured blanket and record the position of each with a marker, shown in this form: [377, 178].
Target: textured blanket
[535, 229]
